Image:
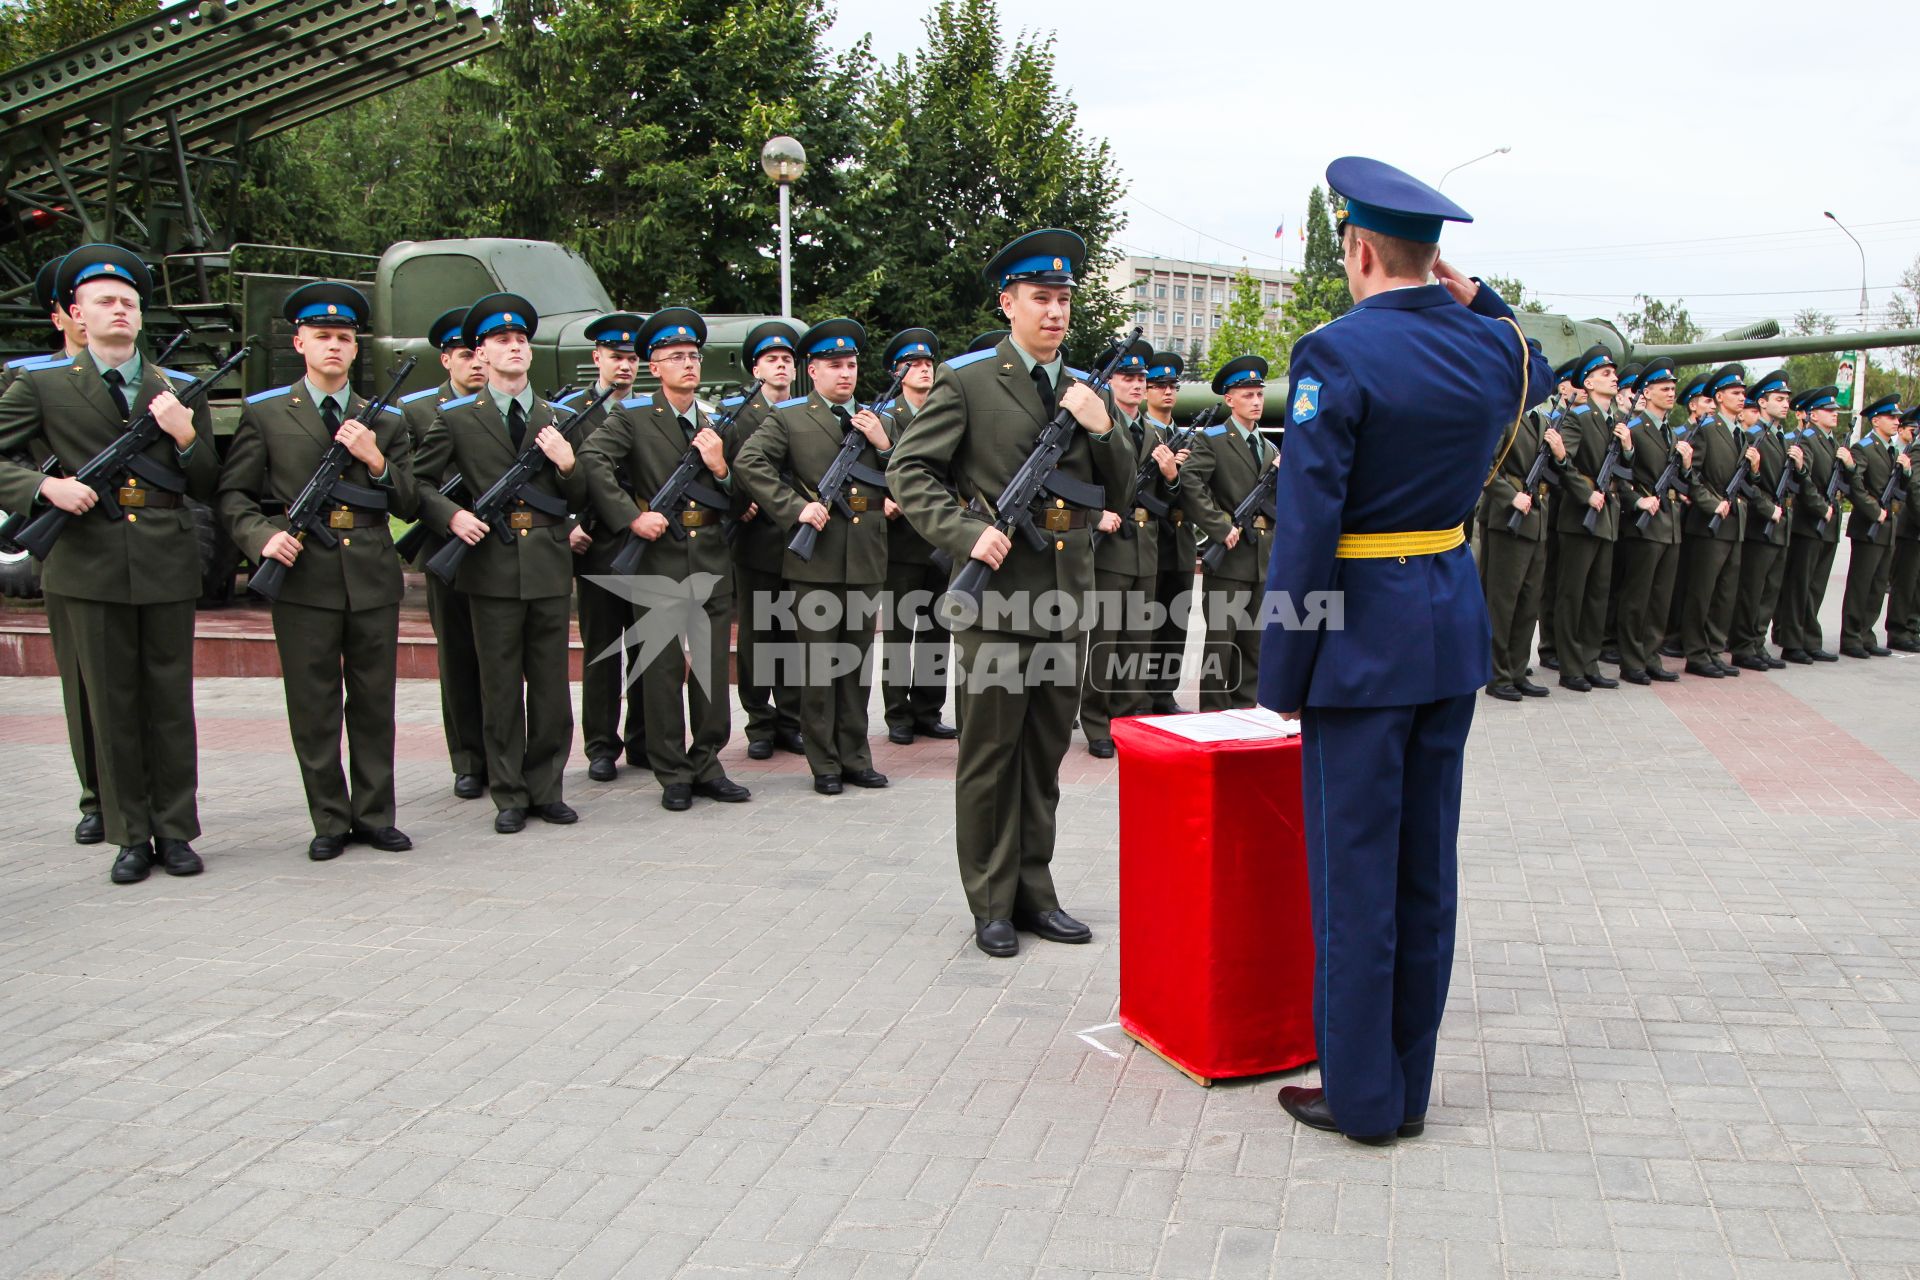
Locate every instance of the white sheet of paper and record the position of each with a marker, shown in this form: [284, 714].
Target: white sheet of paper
[1256, 724]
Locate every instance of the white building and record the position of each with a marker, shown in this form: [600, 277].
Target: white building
[1180, 303]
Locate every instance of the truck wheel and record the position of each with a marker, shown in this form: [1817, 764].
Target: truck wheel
[219, 558]
[19, 573]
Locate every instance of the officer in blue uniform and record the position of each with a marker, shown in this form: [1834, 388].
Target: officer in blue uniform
[1399, 410]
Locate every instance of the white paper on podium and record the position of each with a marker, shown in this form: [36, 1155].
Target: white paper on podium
[1255, 724]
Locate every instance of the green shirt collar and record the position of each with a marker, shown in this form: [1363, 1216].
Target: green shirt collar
[340, 398]
[1052, 366]
[129, 372]
[501, 399]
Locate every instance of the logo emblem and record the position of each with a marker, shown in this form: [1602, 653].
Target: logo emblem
[1057, 264]
[332, 310]
[1307, 403]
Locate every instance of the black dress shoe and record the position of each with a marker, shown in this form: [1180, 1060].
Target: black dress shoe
[1879, 650]
[1853, 651]
[91, 829]
[1903, 646]
[935, 729]
[1579, 684]
[1671, 649]
[872, 779]
[131, 864]
[385, 839]
[1822, 655]
[1309, 1107]
[1528, 689]
[1773, 663]
[1599, 681]
[1635, 675]
[1799, 657]
[1550, 661]
[508, 821]
[1504, 692]
[602, 769]
[1054, 926]
[996, 937]
[1168, 707]
[723, 789]
[1660, 675]
[1703, 670]
[1610, 655]
[899, 735]
[1727, 668]
[790, 740]
[177, 857]
[558, 813]
[827, 784]
[326, 848]
[1747, 662]
[762, 749]
[676, 797]
[469, 786]
[1100, 748]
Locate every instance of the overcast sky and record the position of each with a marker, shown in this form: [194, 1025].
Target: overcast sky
[1669, 149]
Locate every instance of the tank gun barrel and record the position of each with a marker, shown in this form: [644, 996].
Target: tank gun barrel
[1718, 350]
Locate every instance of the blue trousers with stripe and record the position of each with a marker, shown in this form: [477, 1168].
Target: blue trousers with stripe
[1381, 799]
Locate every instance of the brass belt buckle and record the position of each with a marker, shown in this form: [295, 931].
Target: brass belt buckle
[1262, 523]
[691, 519]
[342, 518]
[520, 520]
[1141, 515]
[1058, 520]
[858, 504]
[132, 496]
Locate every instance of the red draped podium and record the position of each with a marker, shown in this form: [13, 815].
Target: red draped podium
[1216, 935]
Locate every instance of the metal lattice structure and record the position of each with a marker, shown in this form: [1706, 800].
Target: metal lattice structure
[126, 137]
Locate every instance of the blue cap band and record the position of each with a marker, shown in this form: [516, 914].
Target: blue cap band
[1034, 267]
[1721, 384]
[1161, 372]
[91, 270]
[500, 320]
[778, 342]
[911, 350]
[1130, 364]
[1595, 363]
[1401, 226]
[680, 333]
[842, 346]
[1245, 375]
[1823, 402]
[326, 311]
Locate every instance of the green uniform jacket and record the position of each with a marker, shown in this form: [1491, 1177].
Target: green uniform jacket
[643, 439]
[759, 543]
[1761, 526]
[469, 436]
[1810, 504]
[420, 408]
[273, 454]
[799, 439]
[1715, 456]
[1652, 448]
[1506, 482]
[1873, 466]
[976, 429]
[1138, 556]
[598, 557]
[153, 556]
[1588, 434]
[904, 543]
[1215, 480]
[1909, 517]
[1176, 542]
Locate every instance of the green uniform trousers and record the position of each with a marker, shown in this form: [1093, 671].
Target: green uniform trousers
[1173, 591]
[460, 716]
[1230, 665]
[1111, 684]
[913, 667]
[136, 664]
[1549, 588]
[835, 625]
[1803, 589]
[608, 677]
[1580, 610]
[1512, 570]
[1017, 698]
[766, 650]
[676, 696]
[1646, 594]
[325, 654]
[1763, 568]
[526, 699]
[73, 695]
[1869, 573]
[1903, 601]
[1706, 615]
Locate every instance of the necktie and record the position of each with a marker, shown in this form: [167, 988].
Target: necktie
[116, 388]
[845, 418]
[516, 423]
[1253, 447]
[1139, 434]
[330, 414]
[1044, 385]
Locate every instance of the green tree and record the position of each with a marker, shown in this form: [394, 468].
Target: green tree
[1659, 321]
[1245, 331]
[32, 29]
[1816, 370]
[1320, 290]
[1513, 293]
[1901, 365]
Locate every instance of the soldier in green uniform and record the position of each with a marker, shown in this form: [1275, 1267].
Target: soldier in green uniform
[1566, 397]
[1626, 403]
[1763, 560]
[336, 623]
[72, 340]
[1870, 566]
[768, 650]
[684, 586]
[1174, 577]
[913, 664]
[835, 608]
[1586, 554]
[1815, 536]
[1712, 554]
[122, 590]
[1903, 600]
[1699, 407]
[1513, 558]
[1016, 676]
[518, 590]
[1649, 554]
[1126, 558]
[605, 616]
[447, 608]
[1227, 462]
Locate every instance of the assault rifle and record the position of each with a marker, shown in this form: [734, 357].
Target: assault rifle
[1258, 502]
[841, 472]
[1737, 488]
[682, 483]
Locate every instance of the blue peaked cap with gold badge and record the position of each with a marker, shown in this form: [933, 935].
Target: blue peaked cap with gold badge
[1379, 197]
[101, 262]
[44, 294]
[1725, 378]
[1135, 359]
[1244, 371]
[912, 344]
[837, 337]
[1827, 397]
[619, 331]
[1658, 369]
[444, 333]
[499, 313]
[1165, 366]
[1767, 385]
[671, 327]
[1050, 256]
[328, 304]
[770, 335]
[1885, 406]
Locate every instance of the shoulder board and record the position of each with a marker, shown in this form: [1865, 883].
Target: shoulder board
[178, 375]
[885, 407]
[636, 402]
[410, 397]
[559, 404]
[731, 401]
[395, 412]
[270, 394]
[971, 357]
[1081, 374]
[1583, 408]
[1554, 416]
[1215, 431]
[1754, 430]
[793, 403]
[1680, 432]
[463, 400]
[44, 358]
[566, 401]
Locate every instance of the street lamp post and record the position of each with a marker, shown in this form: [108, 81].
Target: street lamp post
[1497, 151]
[784, 160]
[1860, 363]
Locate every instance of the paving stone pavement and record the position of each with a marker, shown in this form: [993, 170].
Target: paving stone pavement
[1683, 1037]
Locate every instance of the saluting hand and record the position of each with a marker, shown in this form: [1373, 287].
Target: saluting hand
[555, 446]
[360, 442]
[1461, 287]
[174, 418]
[1088, 409]
[283, 547]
